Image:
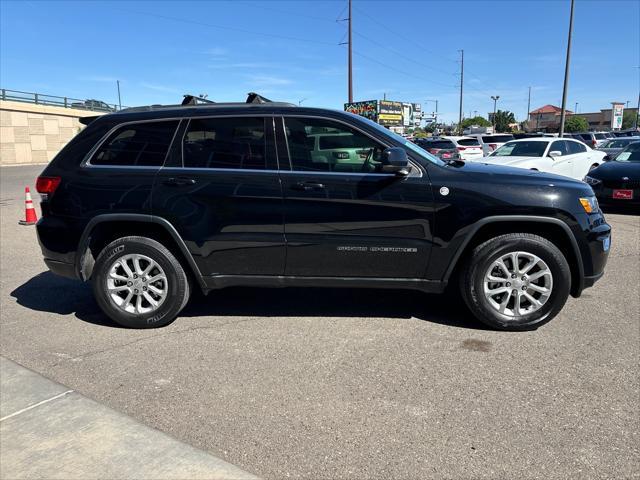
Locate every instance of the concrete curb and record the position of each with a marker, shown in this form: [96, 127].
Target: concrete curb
[50, 431]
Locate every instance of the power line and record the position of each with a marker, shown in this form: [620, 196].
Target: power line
[399, 71]
[225, 27]
[400, 54]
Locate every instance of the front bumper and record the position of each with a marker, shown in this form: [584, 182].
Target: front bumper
[594, 242]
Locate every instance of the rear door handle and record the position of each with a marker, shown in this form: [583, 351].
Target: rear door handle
[179, 181]
[307, 186]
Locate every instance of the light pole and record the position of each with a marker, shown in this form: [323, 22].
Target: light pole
[576, 109]
[566, 73]
[119, 101]
[301, 100]
[493, 120]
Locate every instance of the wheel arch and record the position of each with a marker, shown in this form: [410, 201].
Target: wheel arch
[553, 229]
[103, 229]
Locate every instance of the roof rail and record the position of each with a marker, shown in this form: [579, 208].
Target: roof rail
[253, 97]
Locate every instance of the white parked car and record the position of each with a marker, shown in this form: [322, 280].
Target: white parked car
[563, 156]
[491, 141]
[468, 147]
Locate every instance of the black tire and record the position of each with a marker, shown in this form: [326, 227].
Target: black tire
[177, 285]
[483, 256]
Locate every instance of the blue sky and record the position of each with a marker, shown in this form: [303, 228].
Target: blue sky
[289, 50]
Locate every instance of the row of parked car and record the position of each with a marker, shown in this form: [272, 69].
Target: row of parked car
[611, 167]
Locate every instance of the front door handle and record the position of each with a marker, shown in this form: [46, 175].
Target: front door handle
[179, 181]
[307, 186]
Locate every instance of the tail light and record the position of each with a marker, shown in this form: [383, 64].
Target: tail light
[460, 149]
[434, 150]
[594, 143]
[47, 185]
[493, 146]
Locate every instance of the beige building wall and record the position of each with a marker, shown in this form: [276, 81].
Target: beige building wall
[31, 134]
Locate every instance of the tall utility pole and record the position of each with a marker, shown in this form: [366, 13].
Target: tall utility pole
[350, 58]
[576, 109]
[566, 73]
[528, 106]
[493, 120]
[119, 101]
[461, 84]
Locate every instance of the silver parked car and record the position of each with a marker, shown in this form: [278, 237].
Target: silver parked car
[614, 146]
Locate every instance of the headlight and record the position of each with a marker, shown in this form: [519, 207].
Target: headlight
[590, 204]
[591, 180]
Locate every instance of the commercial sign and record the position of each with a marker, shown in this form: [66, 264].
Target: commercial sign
[389, 113]
[367, 109]
[617, 111]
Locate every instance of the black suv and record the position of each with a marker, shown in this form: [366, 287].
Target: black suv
[153, 202]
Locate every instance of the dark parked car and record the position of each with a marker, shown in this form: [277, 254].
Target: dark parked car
[440, 147]
[616, 145]
[618, 182]
[151, 203]
[95, 105]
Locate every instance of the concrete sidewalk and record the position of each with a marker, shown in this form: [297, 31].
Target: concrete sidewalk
[50, 431]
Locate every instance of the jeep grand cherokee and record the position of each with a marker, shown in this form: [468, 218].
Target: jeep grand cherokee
[152, 202]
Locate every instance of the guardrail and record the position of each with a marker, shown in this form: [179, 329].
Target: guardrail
[53, 101]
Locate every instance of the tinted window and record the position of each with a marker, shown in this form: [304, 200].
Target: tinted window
[468, 142]
[142, 145]
[438, 144]
[521, 148]
[560, 146]
[497, 138]
[586, 136]
[601, 136]
[576, 147]
[225, 143]
[324, 145]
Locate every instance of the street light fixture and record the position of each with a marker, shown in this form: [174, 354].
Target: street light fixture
[493, 120]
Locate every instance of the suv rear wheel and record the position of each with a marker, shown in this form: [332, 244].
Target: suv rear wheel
[516, 281]
[139, 283]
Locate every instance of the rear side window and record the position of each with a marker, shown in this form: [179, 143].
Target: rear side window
[137, 145]
[497, 138]
[230, 143]
[468, 142]
[601, 136]
[586, 136]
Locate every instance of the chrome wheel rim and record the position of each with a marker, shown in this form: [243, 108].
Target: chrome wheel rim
[136, 284]
[517, 284]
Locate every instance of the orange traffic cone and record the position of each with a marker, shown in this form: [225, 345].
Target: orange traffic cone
[30, 217]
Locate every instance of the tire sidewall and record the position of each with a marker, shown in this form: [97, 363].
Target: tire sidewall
[176, 282]
[560, 290]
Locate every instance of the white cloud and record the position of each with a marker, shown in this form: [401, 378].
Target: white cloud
[260, 81]
[159, 88]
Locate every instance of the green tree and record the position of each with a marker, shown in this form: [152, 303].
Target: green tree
[503, 119]
[430, 128]
[628, 119]
[475, 122]
[576, 124]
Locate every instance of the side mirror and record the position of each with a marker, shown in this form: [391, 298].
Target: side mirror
[395, 160]
[555, 153]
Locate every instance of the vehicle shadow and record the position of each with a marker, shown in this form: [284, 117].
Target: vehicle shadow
[50, 293]
[621, 210]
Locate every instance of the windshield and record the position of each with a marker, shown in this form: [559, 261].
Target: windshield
[403, 141]
[521, 149]
[630, 154]
[620, 143]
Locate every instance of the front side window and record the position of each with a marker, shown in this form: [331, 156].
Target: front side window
[319, 145]
[137, 145]
[559, 146]
[576, 147]
[228, 143]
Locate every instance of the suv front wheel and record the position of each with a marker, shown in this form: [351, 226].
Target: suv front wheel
[516, 281]
[139, 283]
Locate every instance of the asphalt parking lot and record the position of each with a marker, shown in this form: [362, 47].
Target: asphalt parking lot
[310, 383]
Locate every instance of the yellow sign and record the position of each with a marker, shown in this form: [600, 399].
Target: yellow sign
[389, 116]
